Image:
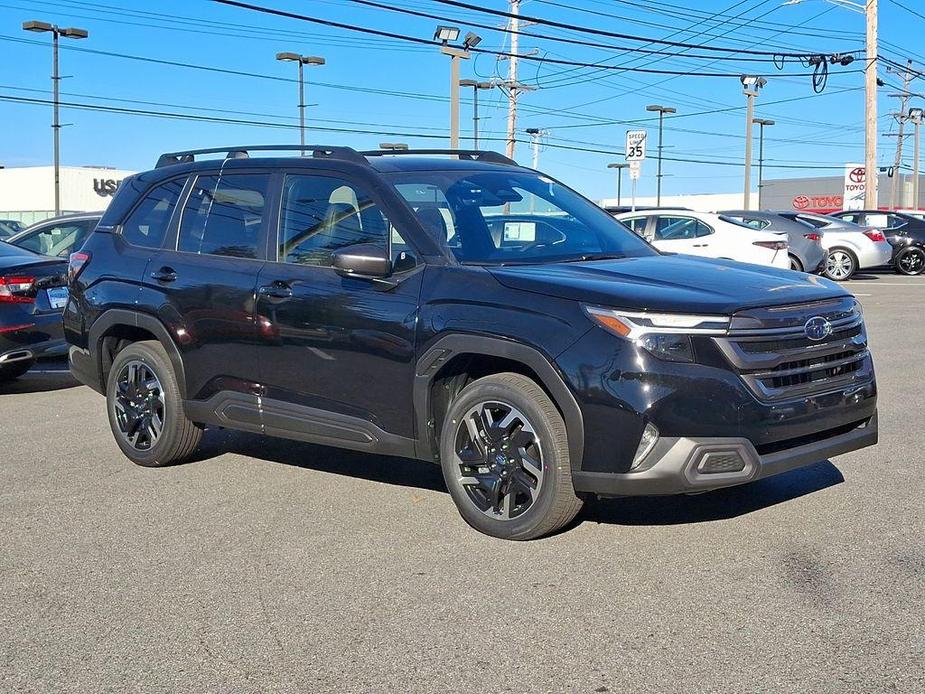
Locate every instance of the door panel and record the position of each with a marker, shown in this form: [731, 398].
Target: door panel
[336, 344]
[204, 293]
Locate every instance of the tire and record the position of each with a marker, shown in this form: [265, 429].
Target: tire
[910, 261]
[840, 264]
[145, 408]
[15, 370]
[795, 264]
[528, 455]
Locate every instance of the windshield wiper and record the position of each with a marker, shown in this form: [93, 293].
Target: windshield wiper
[593, 256]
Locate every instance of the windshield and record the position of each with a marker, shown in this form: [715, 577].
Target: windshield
[495, 217]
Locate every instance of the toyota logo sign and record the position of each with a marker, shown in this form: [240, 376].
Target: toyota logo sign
[800, 202]
[857, 174]
[817, 328]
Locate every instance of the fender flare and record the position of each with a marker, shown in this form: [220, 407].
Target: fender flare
[449, 346]
[134, 319]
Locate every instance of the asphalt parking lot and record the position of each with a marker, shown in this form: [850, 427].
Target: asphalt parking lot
[270, 566]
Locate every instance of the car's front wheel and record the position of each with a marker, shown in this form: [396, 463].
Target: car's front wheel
[911, 261]
[840, 265]
[145, 408]
[505, 459]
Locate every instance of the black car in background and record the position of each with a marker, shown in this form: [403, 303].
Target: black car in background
[57, 236]
[33, 292]
[905, 233]
[454, 307]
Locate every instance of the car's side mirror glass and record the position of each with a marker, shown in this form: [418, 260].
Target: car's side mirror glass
[362, 260]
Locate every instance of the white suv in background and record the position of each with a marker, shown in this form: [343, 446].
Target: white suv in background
[706, 234]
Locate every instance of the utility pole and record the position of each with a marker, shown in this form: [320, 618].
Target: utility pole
[56, 32]
[916, 115]
[901, 118]
[761, 122]
[619, 167]
[870, 111]
[512, 79]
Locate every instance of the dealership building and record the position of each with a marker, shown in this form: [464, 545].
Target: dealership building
[818, 194]
[27, 194]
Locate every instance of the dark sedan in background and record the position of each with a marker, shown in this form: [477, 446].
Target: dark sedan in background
[9, 227]
[905, 232]
[33, 292]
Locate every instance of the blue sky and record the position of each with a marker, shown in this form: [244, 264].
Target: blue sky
[400, 89]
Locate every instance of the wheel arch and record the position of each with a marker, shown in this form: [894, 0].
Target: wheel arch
[115, 326]
[478, 356]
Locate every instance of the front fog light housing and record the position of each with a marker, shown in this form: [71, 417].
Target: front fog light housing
[670, 347]
[646, 443]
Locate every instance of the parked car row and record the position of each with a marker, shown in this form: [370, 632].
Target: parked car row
[836, 245]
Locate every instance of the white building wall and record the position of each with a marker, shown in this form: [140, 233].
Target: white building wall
[28, 193]
[701, 202]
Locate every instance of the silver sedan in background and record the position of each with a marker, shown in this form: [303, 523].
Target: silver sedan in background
[806, 251]
[849, 247]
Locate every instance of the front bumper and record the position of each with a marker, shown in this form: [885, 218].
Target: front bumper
[676, 465]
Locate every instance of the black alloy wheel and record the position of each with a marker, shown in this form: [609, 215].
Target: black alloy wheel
[911, 261]
[139, 405]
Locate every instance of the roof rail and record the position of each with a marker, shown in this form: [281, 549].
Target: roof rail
[242, 152]
[469, 154]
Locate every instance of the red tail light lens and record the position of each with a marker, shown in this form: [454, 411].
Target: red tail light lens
[75, 264]
[875, 235]
[773, 245]
[813, 237]
[14, 289]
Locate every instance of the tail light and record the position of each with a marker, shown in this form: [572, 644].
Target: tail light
[773, 245]
[75, 264]
[813, 237]
[875, 235]
[14, 289]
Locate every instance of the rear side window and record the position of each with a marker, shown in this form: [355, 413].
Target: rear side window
[59, 239]
[147, 224]
[637, 224]
[224, 215]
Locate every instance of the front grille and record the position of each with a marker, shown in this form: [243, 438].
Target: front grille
[777, 360]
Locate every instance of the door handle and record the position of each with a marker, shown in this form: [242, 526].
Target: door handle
[701, 245]
[277, 290]
[165, 274]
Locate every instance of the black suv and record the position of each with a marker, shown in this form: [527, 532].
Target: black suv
[454, 307]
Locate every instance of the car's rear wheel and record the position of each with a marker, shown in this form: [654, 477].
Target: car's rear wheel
[795, 264]
[9, 372]
[145, 408]
[840, 264]
[505, 459]
[911, 261]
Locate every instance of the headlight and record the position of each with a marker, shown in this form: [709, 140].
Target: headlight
[664, 335]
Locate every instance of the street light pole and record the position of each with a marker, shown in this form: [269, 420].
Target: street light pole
[750, 87]
[70, 33]
[476, 86]
[445, 34]
[662, 110]
[619, 167]
[302, 60]
[761, 122]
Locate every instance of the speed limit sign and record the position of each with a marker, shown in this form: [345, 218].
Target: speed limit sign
[635, 145]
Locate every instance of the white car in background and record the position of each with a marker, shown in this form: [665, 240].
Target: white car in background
[706, 234]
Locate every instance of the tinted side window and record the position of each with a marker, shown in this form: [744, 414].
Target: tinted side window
[223, 215]
[703, 229]
[675, 228]
[320, 214]
[147, 224]
[59, 239]
[637, 224]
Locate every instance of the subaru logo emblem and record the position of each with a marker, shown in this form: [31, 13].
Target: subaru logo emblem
[817, 328]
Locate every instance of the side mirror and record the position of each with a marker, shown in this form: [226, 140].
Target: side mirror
[362, 260]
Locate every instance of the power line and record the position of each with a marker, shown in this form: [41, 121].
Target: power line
[611, 34]
[521, 56]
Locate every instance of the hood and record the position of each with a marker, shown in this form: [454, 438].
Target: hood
[670, 283]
